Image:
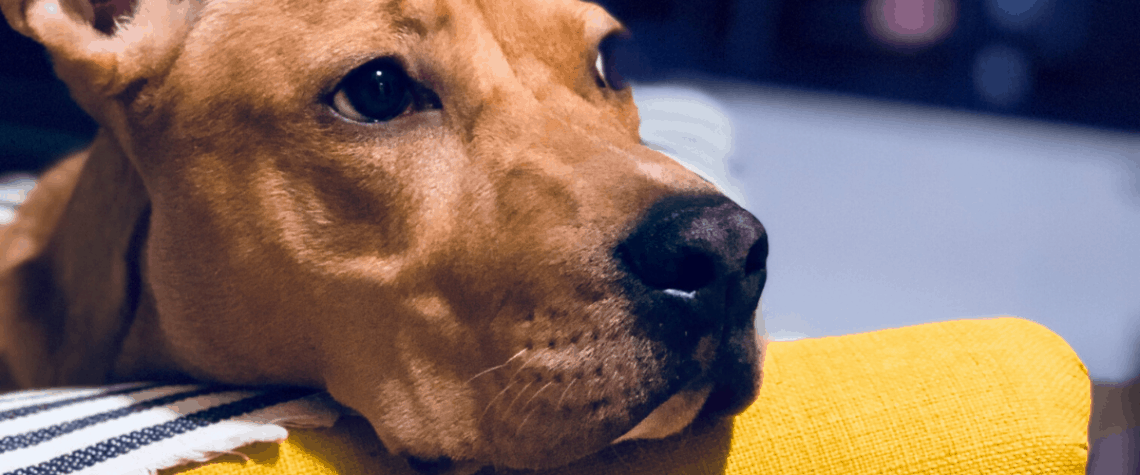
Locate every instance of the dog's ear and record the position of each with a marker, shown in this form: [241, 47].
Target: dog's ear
[71, 270]
[70, 273]
[99, 47]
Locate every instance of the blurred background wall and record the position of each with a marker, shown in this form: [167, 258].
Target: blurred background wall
[1076, 61]
[913, 160]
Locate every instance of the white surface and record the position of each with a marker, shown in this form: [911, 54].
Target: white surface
[13, 190]
[882, 215]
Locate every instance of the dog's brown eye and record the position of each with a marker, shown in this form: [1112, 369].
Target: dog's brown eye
[606, 64]
[376, 92]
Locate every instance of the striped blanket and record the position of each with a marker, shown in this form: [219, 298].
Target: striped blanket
[138, 428]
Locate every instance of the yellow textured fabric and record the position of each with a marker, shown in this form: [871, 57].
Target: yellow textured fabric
[965, 397]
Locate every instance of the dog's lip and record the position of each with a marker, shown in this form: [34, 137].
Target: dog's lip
[709, 394]
[673, 415]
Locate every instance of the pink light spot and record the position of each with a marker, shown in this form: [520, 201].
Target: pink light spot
[909, 16]
[910, 24]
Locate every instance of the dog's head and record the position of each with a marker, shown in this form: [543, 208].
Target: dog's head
[439, 210]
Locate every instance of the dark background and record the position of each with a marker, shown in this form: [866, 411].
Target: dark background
[1074, 61]
[1078, 60]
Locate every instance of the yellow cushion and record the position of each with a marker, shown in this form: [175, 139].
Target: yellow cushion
[989, 396]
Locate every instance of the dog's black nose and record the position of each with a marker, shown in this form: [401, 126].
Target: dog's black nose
[696, 264]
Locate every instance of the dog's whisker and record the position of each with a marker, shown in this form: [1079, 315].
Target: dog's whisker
[521, 424]
[510, 382]
[492, 401]
[516, 399]
[522, 367]
[493, 368]
[564, 391]
[536, 393]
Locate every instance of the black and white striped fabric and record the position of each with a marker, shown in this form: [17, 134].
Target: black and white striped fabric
[138, 428]
[13, 190]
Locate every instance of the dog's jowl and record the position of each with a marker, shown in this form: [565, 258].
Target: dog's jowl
[438, 210]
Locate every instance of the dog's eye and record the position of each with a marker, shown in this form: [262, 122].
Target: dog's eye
[607, 61]
[376, 92]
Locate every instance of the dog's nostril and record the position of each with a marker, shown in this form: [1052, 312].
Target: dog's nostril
[757, 256]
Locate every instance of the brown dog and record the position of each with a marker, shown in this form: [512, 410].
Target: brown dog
[438, 210]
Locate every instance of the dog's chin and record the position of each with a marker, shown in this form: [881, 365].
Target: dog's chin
[670, 417]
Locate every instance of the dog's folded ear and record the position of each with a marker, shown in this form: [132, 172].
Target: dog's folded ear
[71, 270]
[99, 47]
[70, 264]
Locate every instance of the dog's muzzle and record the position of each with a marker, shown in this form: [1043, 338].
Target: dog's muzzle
[695, 269]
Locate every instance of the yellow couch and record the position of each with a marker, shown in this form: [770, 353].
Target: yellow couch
[988, 396]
